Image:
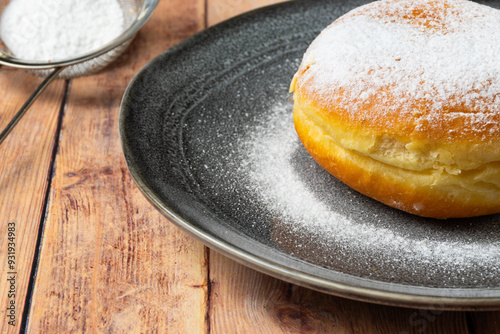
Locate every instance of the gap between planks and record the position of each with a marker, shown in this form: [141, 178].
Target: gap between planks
[41, 226]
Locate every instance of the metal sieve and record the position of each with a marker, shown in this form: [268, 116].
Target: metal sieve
[135, 13]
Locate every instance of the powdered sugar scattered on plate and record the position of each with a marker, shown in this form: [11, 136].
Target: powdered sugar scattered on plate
[319, 219]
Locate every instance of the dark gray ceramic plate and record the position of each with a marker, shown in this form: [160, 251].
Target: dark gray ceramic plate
[207, 134]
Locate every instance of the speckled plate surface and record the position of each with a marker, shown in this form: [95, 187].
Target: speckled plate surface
[207, 133]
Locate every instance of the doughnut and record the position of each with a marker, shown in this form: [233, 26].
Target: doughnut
[400, 100]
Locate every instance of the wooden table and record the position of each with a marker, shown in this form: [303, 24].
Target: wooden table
[93, 256]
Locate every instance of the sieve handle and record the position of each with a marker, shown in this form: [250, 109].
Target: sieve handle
[29, 102]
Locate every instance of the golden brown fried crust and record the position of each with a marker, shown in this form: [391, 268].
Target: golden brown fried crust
[414, 125]
[406, 190]
[439, 162]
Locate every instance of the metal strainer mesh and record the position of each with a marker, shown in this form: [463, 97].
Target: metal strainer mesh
[135, 13]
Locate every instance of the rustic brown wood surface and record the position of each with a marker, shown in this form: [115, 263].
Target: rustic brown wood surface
[25, 167]
[108, 262]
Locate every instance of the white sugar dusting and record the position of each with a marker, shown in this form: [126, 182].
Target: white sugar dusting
[305, 209]
[59, 29]
[452, 60]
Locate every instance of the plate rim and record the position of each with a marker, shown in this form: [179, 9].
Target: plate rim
[266, 266]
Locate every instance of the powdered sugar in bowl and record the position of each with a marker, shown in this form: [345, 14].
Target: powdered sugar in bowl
[88, 35]
[66, 38]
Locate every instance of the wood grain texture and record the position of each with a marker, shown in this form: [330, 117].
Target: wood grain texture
[245, 301]
[220, 10]
[485, 322]
[110, 263]
[26, 160]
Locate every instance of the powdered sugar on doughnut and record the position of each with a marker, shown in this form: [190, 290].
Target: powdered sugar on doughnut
[439, 60]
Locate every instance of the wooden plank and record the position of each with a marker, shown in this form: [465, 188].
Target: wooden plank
[245, 301]
[485, 322]
[112, 263]
[26, 160]
[219, 10]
